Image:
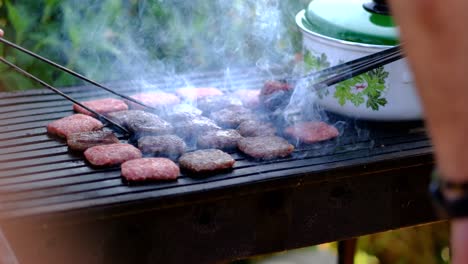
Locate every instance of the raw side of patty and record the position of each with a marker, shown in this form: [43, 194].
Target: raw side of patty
[194, 93]
[219, 139]
[150, 169]
[266, 147]
[166, 145]
[101, 106]
[275, 94]
[250, 97]
[232, 117]
[73, 124]
[113, 154]
[206, 161]
[254, 128]
[84, 140]
[156, 99]
[312, 132]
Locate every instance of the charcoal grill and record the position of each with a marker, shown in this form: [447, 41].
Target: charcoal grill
[56, 209]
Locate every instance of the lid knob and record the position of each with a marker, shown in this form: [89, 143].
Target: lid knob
[378, 6]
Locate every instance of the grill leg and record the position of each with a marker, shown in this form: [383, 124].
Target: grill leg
[346, 250]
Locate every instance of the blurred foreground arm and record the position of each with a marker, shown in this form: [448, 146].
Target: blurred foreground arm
[436, 42]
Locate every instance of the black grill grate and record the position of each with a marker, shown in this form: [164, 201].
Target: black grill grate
[38, 175]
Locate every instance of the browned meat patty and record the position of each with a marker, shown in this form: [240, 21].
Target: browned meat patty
[73, 124]
[166, 145]
[101, 106]
[148, 124]
[113, 154]
[210, 104]
[150, 169]
[254, 128]
[206, 161]
[232, 117]
[312, 132]
[250, 97]
[219, 139]
[193, 125]
[84, 140]
[275, 94]
[122, 117]
[155, 99]
[267, 147]
[194, 93]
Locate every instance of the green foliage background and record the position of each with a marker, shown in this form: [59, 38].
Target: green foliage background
[112, 39]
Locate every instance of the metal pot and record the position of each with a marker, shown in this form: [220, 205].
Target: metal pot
[336, 31]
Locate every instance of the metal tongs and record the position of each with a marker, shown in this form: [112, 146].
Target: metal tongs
[50, 87]
[348, 70]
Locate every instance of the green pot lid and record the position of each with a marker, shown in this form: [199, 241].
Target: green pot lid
[348, 20]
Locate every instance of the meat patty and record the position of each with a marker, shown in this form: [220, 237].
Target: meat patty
[194, 93]
[210, 104]
[275, 94]
[266, 147]
[101, 106]
[113, 154]
[193, 125]
[146, 123]
[155, 99]
[206, 161]
[232, 117]
[150, 169]
[166, 145]
[312, 132]
[219, 139]
[250, 97]
[73, 124]
[84, 140]
[122, 117]
[254, 128]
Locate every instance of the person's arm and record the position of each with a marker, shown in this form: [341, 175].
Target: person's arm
[435, 37]
[1, 33]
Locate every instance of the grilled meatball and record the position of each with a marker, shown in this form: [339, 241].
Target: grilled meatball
[101, 106]
[254, 128]
[166, 145]
[150, 169]
[73, 124]
[113, 154]
[266, 147]
[84, 140]
[312, 132]
[219, 139]
[206, 161]
[232, 117]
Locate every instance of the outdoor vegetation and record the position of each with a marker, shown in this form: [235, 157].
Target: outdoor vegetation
[129, 39]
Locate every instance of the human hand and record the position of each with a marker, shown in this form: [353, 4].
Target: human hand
[1, 33]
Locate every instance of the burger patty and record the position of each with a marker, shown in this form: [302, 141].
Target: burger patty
[194, 93]
[146, 123]
[275, 94]
[155, 99]
[210, 104]
[84, 140]
[113, 154]
[312, 132]
[166, 145]
[122, 117]
[150, 169]
[254, 128]
[206, 161]
[265, 147]
[232, 117]
[219, 139]
[101, 106]
[193, 125]
[250, 97]
[73, 124]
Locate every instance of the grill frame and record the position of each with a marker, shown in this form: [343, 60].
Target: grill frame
[30, 201]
